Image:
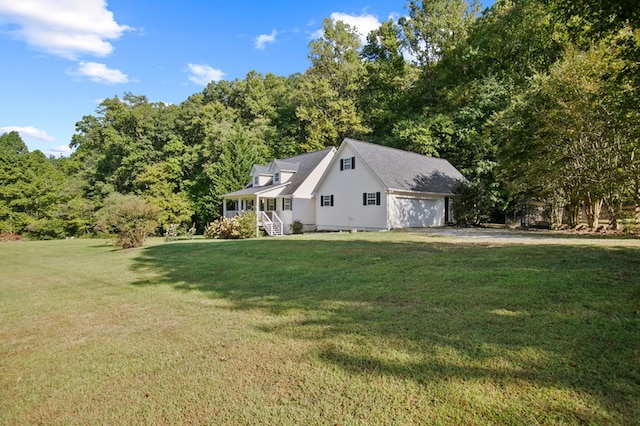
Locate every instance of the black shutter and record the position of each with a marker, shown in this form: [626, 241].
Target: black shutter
[364, 198]
[353, 162]
[446, 210]
[377, 198]
[332, 201]
[341, 164]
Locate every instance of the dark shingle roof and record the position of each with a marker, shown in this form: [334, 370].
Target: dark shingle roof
[303, 163]
[263, 170]
[403, 170]
[306, 164]
[284, 165]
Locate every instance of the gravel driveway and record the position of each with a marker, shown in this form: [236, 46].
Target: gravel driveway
[508, 236]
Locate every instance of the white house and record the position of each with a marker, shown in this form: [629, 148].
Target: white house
[281, 192]
[374, 187]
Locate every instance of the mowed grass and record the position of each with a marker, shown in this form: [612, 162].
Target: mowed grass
[380, 328]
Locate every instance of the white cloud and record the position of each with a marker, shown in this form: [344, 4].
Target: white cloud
[317, 34]
[61, 149]
[204, 74]
[363, 24]
[28, 132]
[263, 39]
[99, 73]
[66, 28]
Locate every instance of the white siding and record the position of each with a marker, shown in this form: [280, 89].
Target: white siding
[347, 187]
[303, 209]
[407, 212]
[285, 176]
[287, 219]
[306, 188]
[302, 203]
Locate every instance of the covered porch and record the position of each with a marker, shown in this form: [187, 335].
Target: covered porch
[273, 212]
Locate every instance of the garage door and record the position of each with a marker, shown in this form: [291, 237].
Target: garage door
[411, 212]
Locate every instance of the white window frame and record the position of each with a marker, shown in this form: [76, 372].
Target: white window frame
[371, 199]
[286, 204]
[276, 178]
[271, 204]
[346, 163]
[256, 181]
[325, 201]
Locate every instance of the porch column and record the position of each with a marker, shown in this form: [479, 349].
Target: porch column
[257, 209]
[224, 207]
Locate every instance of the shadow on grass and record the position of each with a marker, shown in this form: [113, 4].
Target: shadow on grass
[552, 316]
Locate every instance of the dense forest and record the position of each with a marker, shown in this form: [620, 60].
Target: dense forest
[530, 99]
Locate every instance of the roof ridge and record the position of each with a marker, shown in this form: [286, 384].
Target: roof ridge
[303, 155]
[403, 151]
[400, 169]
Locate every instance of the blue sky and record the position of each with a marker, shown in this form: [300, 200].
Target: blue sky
[63, 57]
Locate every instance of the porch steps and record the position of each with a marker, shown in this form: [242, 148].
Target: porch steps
[272, 227]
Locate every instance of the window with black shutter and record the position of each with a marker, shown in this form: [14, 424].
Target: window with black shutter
[326, 201]
[348, 163]
[370, 198]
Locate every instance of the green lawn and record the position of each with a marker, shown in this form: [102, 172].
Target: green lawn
[380, 328]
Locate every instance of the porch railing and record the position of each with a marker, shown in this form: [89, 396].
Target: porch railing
[273, 225]
[229, 214]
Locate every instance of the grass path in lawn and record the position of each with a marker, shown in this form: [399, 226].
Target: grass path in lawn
[380, 328]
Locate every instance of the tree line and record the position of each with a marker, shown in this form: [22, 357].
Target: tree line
[529, 99]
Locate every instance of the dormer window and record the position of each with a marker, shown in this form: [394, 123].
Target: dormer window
[256, 181]
[276, 178]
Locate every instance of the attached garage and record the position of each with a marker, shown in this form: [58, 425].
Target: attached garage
[374, 187]
[411, 212]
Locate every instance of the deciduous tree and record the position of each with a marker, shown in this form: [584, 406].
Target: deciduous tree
[328, 93]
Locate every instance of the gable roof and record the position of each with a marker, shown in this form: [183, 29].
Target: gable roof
[260, 169]
[284, 165]
[408, 171]
[302, 164]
